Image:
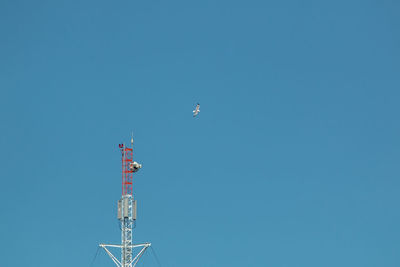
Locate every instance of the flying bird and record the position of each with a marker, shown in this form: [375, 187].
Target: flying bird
[196, 110]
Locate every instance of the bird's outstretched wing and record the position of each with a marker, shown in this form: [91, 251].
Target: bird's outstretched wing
[196, 110]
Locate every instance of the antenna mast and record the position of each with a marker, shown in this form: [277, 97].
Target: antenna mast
[127, 213]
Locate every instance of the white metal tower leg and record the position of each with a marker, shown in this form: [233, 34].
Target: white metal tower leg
[134, 261]
[138, 256]
[114, 259]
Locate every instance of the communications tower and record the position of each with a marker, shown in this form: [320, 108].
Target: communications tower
[127, 214]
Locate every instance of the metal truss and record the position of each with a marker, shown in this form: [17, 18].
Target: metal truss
[134, 261]
[127, 214]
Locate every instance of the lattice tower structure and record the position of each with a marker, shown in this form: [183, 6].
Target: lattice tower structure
[127, 205]
[127, 213]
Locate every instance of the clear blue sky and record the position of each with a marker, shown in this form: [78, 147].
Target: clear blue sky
[293, 160]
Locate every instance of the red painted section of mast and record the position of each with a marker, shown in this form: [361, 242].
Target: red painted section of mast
[127, 172]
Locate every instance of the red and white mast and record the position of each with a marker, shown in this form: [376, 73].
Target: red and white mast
[127, 213]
